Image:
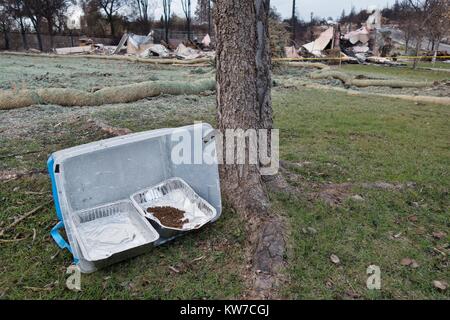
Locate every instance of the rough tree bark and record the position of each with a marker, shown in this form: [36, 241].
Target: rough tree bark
[243, 91]
[244, 102]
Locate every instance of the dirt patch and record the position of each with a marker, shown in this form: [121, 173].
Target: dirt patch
[380, 185]
[112, 131]
[169, 217]
[335, 194]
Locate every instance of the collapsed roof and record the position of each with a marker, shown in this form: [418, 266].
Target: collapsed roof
[321, 43]
[360, 35]
[136, 44]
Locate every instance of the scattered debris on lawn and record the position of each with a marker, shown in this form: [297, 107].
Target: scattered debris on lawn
[352, 295]
[440, 285]
[174, 269]
[19, 219]
[357, 197]
[439, 235]
[408, 262]
[335, 259]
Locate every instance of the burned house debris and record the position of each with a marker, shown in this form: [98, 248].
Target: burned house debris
[145, 47]
[371, 42]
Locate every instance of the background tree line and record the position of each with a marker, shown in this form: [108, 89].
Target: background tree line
[102, 18]
[418, 19]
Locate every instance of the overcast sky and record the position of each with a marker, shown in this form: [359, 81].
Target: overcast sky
[321, 8]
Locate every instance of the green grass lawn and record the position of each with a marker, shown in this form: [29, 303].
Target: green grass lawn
[334, 138]
[357, 140]
[209, 264]
[427, 64]
[405, 73]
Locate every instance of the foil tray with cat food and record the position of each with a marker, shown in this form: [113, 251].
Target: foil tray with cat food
[112, 233]
[174, 208]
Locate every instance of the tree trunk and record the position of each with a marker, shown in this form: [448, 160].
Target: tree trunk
[166, 31]
[188, 20]
[243, 92]
[50, 32]
[39, 37]
[24, 35]
[418, 43]
[6, 37]
[37, 28]
[209, 18]
[111, 24]
[406, 45]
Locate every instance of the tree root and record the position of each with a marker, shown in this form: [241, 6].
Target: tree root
[265, 255]
[121, 94]
[266, 245]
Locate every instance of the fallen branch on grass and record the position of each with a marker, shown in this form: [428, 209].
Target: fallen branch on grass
[9, 175]
[121, 94]
[19, 219]
[13, 240]
[18, 154]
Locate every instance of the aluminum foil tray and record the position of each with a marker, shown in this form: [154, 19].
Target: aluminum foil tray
[175, 193]
[113, 232]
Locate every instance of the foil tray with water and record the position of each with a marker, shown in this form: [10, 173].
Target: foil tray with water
[104, 237]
